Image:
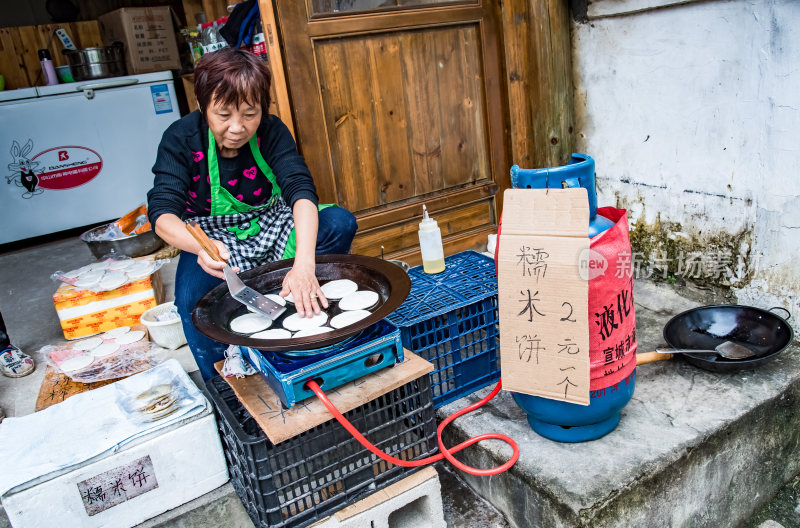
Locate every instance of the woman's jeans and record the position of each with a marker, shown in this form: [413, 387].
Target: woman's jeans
[337, 227]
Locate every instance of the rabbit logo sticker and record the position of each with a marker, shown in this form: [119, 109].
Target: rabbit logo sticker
[23, 169]
[57, 168]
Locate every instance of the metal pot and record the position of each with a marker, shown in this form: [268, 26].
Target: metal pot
[96, 63]
[128, 246]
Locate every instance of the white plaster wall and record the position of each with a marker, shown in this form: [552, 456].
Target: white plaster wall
[692, 112]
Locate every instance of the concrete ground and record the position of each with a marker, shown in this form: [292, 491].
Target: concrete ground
[28, 311]
[26, 304]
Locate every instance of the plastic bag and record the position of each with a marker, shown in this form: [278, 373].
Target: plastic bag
[109, 232]
[107, 357]
[612, 315]
[109, 274]
[154, 397]
[134, 222]
[235, 364]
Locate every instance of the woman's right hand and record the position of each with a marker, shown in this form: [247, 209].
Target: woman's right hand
[211, 266]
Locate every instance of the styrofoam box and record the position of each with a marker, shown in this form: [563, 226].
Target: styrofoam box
[186, 461]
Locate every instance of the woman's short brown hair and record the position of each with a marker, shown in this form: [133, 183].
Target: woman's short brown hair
[231, 77]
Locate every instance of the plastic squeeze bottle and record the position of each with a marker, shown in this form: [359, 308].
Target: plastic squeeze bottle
[430, 244]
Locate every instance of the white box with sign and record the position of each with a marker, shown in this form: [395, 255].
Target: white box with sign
[159, 473]
[102, 458]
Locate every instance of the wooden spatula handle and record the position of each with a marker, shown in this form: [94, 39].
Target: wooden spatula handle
[208, 246]
[649, 357]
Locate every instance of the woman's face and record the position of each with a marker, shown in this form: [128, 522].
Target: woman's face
[233, 127]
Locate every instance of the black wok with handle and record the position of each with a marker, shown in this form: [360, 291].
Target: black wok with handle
[704, 328]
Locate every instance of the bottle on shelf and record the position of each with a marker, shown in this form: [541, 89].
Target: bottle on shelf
[205, 36]
[430, 244]
[259, 45]
[212, 40]
[48, 70]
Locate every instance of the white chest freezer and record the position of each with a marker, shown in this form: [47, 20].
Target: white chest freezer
[79, 153]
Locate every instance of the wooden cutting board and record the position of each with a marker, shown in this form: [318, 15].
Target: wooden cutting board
[57, 387]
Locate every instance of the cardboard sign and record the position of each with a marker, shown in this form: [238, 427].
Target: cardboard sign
[543, 301]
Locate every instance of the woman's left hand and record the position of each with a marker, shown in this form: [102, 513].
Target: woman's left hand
[301, 282]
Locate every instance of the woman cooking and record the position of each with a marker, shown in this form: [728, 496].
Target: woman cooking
[235, 169]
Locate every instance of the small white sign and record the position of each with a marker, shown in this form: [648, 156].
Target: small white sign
[117, 485]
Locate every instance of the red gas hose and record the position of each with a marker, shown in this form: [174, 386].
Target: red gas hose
[445, 453]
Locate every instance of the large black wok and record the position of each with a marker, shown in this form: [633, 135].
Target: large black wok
[706, 327]
[215, 309]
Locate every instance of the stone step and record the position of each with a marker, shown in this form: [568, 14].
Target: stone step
[694, 448]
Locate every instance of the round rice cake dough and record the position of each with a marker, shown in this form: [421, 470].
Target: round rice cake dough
[88, 344]
[105, 349]
[275, 333]
[313, 331]
[348, 318]
[337, 289]
[158, 403]
[112, 280]
[359, 300]
[139, 270]
[86, 269]
[271, 296]
[295, 323]
[250, 323]
[166, 412]
[89, 279]
[161, 408]
[116, 332]
[152, 395]
[76, 363]
[121, 265]
[73, 274]
[130, 337]
[103, 264]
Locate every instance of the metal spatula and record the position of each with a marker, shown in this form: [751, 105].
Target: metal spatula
[728, 350]
[244, 294]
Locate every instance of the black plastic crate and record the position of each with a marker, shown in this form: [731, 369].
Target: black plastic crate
[320, 471]
[451, 319]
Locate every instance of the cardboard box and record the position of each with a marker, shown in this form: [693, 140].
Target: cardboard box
[83, 312]
[148, 36]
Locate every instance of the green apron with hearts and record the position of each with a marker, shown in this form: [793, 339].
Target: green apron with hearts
[254, 235]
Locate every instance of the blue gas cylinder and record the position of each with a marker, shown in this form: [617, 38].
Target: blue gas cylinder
[579, 172]
[554, 419]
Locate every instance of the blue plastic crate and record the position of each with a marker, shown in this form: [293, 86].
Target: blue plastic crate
[451, 320]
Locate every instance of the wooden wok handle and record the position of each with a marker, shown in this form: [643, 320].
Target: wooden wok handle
[208, 246]
[649, 357]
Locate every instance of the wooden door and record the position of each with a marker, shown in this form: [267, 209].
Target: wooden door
[398, 103]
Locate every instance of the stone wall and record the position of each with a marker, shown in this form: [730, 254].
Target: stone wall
[692, 112]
